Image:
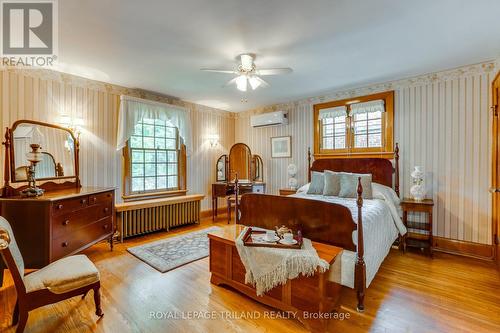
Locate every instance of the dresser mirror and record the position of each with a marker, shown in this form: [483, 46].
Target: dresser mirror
[222, 169]
[250, 174]
[57, 147]
[240, 160]
[257, 169]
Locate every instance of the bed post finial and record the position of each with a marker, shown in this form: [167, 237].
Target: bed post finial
[309, 164]
[7, 170]
[396, 157]
[360, 267]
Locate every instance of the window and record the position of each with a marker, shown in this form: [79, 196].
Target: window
[151, 158]
[359, 126]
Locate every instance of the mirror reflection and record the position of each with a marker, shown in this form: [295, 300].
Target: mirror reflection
[258, 167]
[221, 168]
[56, 145]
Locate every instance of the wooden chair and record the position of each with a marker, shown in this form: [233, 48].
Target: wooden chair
[233, 200]
[65, 278]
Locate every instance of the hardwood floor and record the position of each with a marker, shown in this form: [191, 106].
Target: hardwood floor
[411, 293]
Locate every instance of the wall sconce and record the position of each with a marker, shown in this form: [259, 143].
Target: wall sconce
[213, 139]
[74, 124]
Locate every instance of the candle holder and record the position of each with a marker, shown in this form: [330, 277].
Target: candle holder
[33, 157]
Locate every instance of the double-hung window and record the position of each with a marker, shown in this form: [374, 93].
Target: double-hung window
[354, 127]
[152, 158]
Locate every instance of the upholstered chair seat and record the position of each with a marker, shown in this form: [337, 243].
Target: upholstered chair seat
[64, 275]
[65, 278]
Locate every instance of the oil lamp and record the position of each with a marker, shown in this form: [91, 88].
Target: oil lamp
[34, 156]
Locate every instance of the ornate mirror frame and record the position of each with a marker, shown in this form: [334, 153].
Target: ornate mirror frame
[224, 158]
[48, 183]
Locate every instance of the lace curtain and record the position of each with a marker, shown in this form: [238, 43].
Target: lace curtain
[333, 112]
[366, 107]
[133, 109]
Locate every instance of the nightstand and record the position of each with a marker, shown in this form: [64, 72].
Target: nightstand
[412, 238]
[287, 191]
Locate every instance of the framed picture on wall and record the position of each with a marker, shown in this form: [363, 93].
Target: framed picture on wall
[281, 146]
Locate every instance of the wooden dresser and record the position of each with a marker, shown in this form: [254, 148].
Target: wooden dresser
[59, 223]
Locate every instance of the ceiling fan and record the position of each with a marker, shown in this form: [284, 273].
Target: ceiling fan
[248, 74]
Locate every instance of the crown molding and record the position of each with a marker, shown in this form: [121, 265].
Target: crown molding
[81, 82]
[452, 74]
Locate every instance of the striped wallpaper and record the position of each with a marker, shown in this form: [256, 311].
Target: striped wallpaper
[46, 95]
[442, 122]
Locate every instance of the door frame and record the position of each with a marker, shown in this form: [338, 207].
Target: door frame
[495, 109]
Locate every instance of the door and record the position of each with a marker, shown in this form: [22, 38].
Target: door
[496, 166]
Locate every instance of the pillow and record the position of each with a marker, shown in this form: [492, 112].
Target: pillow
[317, 183]
[349, 185]
[383, 192]
[304, 188]
[332, 183]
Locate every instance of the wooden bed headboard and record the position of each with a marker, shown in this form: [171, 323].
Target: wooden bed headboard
[381, 168]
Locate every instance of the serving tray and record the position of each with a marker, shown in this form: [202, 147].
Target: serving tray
[249, 241]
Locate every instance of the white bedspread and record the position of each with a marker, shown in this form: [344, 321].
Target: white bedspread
[381, 226]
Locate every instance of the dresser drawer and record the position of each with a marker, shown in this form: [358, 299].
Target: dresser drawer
[99, 198]
[80, 238]
[103, 210]
[258, 188]
[68, 223]
[69, 205]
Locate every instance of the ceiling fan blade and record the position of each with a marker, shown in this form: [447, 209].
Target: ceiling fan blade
[273, 71]
[228, 83]
[262, 82]
[225, 71]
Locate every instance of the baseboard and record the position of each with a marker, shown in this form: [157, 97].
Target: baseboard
[208, 212]
[497, 255]
[463, 248]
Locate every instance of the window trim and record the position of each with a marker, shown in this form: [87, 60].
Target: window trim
[128, 195]
[385, 151]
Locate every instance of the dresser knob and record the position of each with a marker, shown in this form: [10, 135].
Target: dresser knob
[94, 199]
[65, 244]
[106, 209]
[60, 206]
[65, 222]
[109, 195]
[105, 226]
[83, 201]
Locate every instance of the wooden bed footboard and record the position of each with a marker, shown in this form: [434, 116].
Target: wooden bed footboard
[319, 221]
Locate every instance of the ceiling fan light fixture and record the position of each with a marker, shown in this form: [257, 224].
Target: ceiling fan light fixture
[254, 82]
[246, 62]
[241, 83]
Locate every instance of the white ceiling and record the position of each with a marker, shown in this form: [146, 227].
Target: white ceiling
[160, 45]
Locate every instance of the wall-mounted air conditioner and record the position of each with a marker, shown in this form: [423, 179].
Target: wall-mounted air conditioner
[269, 119]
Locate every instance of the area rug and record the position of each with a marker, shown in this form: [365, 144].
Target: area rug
[167, 254]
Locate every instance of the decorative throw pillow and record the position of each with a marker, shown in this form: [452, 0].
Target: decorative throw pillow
[349, 185]
[332, 183]
[317, 183]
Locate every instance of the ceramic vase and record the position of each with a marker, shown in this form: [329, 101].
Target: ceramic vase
[292, 181]
[417, 191]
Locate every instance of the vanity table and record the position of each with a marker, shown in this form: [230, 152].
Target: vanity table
[66, 218]
[241, 162]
